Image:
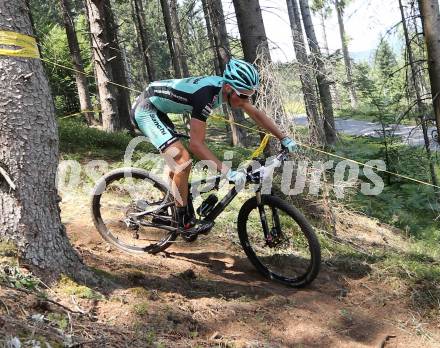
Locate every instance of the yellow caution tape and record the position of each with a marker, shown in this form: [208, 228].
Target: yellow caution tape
[263, 144]
[78, 113]
[24, 45]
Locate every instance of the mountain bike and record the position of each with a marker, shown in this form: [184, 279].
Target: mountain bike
[135, 211]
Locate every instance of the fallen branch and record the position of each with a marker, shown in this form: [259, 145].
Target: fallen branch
[385, 340]
[45, 299]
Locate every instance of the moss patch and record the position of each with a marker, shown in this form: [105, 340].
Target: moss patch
[69, 287]
[8, 249]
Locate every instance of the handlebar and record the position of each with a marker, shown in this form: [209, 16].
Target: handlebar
[255, 175]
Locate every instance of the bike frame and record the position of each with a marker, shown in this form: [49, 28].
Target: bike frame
[253, 176]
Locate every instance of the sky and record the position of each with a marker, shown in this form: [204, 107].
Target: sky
[365, 22]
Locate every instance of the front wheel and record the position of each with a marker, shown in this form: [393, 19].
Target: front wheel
[279, 241]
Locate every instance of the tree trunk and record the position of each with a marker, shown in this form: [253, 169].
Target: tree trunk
[415, 77]
[324, 32]
[144, 40]
[170, 37]
[307, 80]
[178, 39]
[429, 11]
[75, 53]
[347, 60]
[220, 33]
[256, 50]
[211, 38]
[118, 68]
[421, 44]
[252, 33]
[321, 75]
[29, 213]
[103, 67]
[235, 116]
[218, 71]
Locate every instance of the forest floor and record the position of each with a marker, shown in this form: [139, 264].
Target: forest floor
[376, 288]
[207, 294]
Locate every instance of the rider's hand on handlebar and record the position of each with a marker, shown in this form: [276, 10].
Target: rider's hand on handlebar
[288, 144]
[237, 177]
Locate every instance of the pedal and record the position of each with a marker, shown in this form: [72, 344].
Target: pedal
[197, 229]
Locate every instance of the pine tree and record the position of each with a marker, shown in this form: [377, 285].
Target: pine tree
[102, 53]
[307, 79]
[429, 11]
[321, 75]
[81, 80]
[340, 6]
[29, 210]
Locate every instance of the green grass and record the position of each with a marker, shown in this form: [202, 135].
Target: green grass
[368, 114]
[406, 205]
[410, 206]
[416, 269]
[141, 308]
[69, 287]
[79, 142]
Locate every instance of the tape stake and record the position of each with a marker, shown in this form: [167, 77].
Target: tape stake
[24, 46]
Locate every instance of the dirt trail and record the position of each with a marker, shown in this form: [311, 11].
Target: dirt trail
[209, 286]
[208, 294]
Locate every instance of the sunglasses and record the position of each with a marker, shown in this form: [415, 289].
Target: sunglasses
[243, 95]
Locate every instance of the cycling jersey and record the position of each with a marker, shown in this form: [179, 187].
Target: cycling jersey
[196, 95]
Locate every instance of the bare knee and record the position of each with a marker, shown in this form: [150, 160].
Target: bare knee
[178, 158]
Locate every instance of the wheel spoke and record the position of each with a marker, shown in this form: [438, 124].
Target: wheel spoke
[278, 243]
[119, 206]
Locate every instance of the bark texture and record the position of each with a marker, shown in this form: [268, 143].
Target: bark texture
[222, 50]
[252, 33]
[416, 87]
[178, 38]
[118, 64]
[75, 54]
[29, 214]
[103, 67]
[221, 38]
[321, 75]
[207, 14]
[307, 79]
[144, 39]
[256, 50]
[429, 11]
[170, 37]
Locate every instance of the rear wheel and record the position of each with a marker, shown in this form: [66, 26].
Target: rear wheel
[279, 241]
[121, 194]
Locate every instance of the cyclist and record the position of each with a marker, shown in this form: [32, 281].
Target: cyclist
[198, 95]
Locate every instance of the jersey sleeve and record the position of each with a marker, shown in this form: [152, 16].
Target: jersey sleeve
[203, 101]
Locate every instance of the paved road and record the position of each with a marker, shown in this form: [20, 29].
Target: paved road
[409, 134]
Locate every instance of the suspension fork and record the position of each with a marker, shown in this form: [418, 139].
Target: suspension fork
[263, 217]
[276, 231]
